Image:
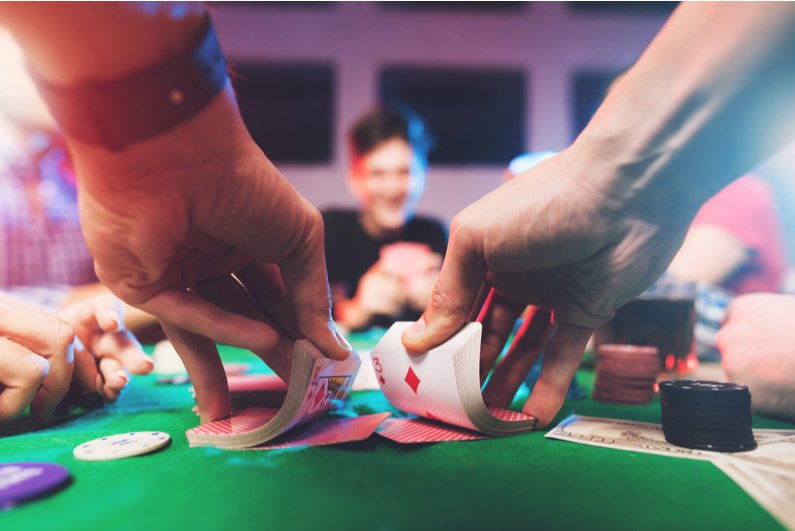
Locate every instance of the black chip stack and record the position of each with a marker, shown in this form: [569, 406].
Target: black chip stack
[713, 416]
[626, 374]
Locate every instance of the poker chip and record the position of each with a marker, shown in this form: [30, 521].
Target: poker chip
[702, 415]
[626, 374]
[20, 482]
[121, 446]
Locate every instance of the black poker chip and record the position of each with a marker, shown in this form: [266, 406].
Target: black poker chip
[710, 446]
[702, 415]
[697, 387]
[687, 423]
[700, 418]
[699, 435]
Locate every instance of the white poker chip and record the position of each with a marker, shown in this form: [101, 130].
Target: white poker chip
[121, 446]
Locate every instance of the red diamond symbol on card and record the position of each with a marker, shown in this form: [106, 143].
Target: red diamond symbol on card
[383, 382]
[412, 380]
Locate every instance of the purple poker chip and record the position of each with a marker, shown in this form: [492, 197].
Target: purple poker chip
[22, 481]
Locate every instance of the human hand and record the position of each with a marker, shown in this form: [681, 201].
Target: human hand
[756, 346]
[381, 291]
[106, 349]
[201, 202]
[260, 301]
[420, 288]
[564, 236]
[36, 360]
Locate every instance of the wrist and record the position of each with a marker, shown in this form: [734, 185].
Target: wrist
[205, 140]
[641, 178]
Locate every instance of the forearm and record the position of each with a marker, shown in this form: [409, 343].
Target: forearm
[710, 98]
[69, 43]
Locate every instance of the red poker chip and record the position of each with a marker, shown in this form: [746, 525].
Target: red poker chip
[627, 351]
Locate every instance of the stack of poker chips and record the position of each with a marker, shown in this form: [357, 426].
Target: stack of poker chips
[713, 416]
[625, 374]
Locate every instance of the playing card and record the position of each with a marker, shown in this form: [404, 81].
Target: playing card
[325, 432]
[409, 258]
[318, 433]
[366, 380]
[255, 383]
[424, 385]
[317, 385]
[419, 430]
[442, 384]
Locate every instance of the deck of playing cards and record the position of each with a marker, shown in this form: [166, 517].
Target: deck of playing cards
[317, 384]
[443, 385]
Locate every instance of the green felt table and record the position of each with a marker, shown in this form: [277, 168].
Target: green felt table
[522, 482]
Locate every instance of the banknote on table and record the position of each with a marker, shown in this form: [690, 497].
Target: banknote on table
[772, 490]
[648, 438]
[767, 473]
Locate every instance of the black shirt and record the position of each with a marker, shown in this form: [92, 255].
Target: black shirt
[350, 251]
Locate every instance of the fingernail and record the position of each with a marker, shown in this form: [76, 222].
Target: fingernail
[113, 314]
[123, 374]
[417, 330]
[149, 359]
[343, 341]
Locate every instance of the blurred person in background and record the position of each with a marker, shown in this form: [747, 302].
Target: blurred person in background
[47, 270]
[383, 260]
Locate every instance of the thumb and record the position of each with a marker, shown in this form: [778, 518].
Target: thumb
[463, 272]
[306, 283]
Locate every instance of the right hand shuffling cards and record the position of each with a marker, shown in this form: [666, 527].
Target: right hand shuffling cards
[442, 386]
[317, 384]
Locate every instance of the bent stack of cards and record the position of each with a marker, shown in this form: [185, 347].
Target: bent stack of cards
[442, 385]
[317, 384]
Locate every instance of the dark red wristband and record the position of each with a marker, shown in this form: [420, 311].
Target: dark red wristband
[117, 113]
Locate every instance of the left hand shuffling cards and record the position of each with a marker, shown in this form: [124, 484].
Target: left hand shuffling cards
[442, 385]
[317, 384]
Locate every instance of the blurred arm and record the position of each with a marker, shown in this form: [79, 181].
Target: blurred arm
[70, 43]
[710, 254]
[708, 100]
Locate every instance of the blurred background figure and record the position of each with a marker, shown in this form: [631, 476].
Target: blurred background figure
[45, 264]
[43, 257]
[382, 259]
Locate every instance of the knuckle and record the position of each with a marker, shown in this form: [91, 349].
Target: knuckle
[445, 303]
[315, 227]
[465, 226]
[63, 335]
[35, 368]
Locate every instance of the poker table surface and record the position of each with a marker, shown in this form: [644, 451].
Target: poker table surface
[521, 482]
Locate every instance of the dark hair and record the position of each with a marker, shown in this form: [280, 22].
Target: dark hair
[375, 127]
[382, 124]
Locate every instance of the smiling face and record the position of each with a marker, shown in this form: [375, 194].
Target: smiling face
[389, 182]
